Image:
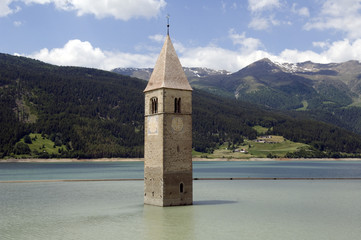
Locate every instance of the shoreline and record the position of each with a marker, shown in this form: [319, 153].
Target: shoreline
[194, 179]
[60, 160]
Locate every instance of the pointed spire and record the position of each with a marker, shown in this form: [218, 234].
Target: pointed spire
[168, 71]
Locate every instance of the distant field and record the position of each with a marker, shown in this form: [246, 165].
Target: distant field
[356, 103]
[275, 146]
[41, 145]
[305, 106]
[260, 129]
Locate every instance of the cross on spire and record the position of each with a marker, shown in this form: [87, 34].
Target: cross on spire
[168, 16]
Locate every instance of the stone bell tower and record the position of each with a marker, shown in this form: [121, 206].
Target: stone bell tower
[168, 179]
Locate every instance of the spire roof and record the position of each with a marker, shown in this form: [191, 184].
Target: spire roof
[168, 71]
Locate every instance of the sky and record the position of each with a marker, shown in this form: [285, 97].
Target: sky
[217, 34]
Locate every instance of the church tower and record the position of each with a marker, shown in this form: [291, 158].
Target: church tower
[168, 179]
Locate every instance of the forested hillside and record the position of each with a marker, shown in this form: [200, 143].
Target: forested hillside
[93, 113]
[88, 113]
[325, 92]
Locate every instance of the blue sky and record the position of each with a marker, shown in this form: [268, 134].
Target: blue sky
[222, 34]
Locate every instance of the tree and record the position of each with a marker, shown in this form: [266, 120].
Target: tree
[27, 139]
[21, 148]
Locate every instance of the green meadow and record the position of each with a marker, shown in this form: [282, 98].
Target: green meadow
[275, 146]
[40, 146]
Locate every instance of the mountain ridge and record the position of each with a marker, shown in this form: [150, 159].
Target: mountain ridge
[328, 92]
[144, 73]
[90, 113]
[312, 79]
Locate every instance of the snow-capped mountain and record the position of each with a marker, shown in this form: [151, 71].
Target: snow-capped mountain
[352, 67]
[194, 72]
[305, 85]
[329, 92]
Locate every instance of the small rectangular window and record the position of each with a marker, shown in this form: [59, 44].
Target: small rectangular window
[181, 186]
[177, 105]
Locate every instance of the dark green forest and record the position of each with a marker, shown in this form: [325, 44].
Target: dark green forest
[94, 114]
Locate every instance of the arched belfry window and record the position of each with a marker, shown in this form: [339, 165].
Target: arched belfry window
[154, 105]
[177, 105]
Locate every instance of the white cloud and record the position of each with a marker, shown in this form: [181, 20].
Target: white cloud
[5, 8]
[219, 58]
[225, 6]
[261, 5]
[294, 56]
[120, 59]
[74, 53]
[159, 38]
[247, 44]
[344, 50]
[338, 51]
[211, 57]
[81, 53]
[123, 10]
[323, 45]
[17, 23]
[179, 47]
[259, 23]
[261, 20]
[263, 23]
[303, 11]
[344, 16]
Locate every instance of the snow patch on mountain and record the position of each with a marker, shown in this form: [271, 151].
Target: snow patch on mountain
[193, 72]
[297, 67]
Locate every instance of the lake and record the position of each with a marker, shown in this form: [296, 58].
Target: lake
[129, 170]
[247, 209]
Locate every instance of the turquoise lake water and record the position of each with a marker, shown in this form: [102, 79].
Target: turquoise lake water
[116, 170]
[247, 209]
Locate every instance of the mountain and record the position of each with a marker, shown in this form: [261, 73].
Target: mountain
[144, 73]
[338, 83]
[89, 113]
[326, 92]
[293, 86]
[299, 86]
[140, 73]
